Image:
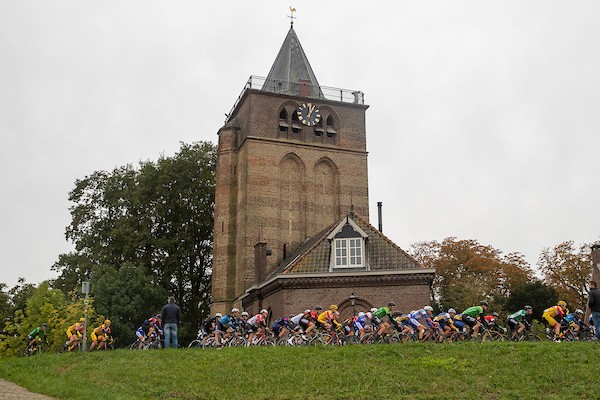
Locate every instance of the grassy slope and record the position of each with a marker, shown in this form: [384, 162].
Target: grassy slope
[466, 370]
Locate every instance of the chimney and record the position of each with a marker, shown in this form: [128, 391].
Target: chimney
[260, 259]
[379, 205]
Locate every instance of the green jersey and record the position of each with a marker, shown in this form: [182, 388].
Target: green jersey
[518, 316]
[473, 311]
[382, 312]
[37, 332]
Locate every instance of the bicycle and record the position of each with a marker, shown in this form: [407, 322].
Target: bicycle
[37, 348]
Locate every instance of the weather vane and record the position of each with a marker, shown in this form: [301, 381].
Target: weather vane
[291, 16]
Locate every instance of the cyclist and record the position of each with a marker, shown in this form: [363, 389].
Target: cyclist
[574, 321]
[424, 314]
[149, 329]
[282, 326]
[469, 317]
[302, 320]
[40, 332]
[519, 320]
[383, 319]
[403, 322]
[257, 324]
[362, 323]
[100, 334]
[328, 319]
[312, 318]
[75, 333]
[208, 327]
[226, 325]
[555, 312]
[445, 323]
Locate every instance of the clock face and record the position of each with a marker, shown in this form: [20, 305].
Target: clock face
[309, 114]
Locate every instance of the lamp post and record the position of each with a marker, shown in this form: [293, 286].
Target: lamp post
[353, 303]
[85, 288]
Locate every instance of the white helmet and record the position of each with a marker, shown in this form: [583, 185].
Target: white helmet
[373, 309]
[451, 311]
[263, 311]
[360, 314]
[245, 313]
[428, 308]
[307, 311]
[369, 315]
[234, 310]
[218, 315]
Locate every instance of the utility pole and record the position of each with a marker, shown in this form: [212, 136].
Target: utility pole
[85, 288]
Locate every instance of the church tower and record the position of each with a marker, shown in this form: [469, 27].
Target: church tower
[292, 161]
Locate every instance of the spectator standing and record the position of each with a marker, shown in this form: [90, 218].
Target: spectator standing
[171, 318]
[594, 303]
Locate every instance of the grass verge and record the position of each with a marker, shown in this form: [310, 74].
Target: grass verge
[416, 371]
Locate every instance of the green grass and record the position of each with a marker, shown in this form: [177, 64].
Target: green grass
[417, 371]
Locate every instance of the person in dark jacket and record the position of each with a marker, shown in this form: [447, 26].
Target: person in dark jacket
[171, 317]
[594, 303]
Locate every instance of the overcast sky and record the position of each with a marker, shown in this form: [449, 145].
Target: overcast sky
[483, 121]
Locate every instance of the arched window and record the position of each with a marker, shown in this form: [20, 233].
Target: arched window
[330, 129]
[296, 127]
[283, 121]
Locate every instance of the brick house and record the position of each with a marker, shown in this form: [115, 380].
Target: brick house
[291, 185]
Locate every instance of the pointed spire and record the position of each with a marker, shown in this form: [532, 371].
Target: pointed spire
[291, 72]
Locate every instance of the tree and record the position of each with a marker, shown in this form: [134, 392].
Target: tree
[158, 218]
[127, 297]
[45, 305]
[568, 270]
[468, 272]
[536, 294]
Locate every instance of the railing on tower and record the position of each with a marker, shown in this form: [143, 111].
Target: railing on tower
[301, 88]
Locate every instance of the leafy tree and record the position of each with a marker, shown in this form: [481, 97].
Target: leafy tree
[536, 294]
[127, 297]
[158, 218]
[467, 272]
[45, 305]
[568, 269]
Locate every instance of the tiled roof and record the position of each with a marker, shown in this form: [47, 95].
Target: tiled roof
[314, 254]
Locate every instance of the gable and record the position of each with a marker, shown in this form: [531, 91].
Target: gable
[315, 255]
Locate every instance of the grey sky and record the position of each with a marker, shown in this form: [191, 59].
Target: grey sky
[483, 121]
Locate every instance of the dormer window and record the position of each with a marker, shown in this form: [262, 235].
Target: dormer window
[348, 244]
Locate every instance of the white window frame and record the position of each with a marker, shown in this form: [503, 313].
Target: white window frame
[346, 256]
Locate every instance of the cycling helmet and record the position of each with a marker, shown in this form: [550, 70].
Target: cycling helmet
[263, 311]
[81, 319]
[428, 308]
[307, 311]
[369, 315]
[107, 322]
[245, 313]
[234, 310]
[333, 307]
[562, 304]
[528, 308]
[44, 325]
[484, 303]
[391, 304]
[579, 311]
[495, 314]
[218, 315]
[451, 311]
[373, 309]
[318, 308]
[153, 320]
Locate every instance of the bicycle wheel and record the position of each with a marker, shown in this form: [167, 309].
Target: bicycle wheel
[135, 345]
[237, 341]
[209, 343]
[195, 344]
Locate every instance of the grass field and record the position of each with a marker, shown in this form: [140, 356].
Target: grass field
[543, 370]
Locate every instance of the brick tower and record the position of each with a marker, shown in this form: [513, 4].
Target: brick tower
[292, 160]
